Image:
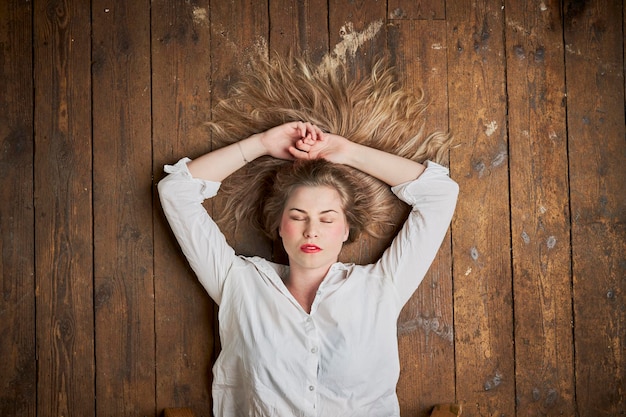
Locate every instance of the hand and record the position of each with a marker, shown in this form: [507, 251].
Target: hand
[280, 140]
[327, 146]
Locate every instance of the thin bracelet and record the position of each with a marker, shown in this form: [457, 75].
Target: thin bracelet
[241, 151]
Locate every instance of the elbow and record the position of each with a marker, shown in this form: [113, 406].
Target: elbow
[449, 188]
[454, 193]
[165, 188]
[454, 189]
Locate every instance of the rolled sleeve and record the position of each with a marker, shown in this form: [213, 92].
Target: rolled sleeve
[433, 198]
[199, 237]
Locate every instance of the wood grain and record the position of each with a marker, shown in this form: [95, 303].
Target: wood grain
[417, 9]
[123, 241]
[483, 310]
[594, 45]
[299, 28]
[63, 209]
[540, 215]
[18, 378]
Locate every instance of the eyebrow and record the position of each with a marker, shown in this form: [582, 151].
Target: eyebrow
[321, 212]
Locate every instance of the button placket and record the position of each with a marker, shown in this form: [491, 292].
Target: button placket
[312, 361]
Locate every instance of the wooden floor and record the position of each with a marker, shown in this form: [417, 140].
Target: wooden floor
[523, 312]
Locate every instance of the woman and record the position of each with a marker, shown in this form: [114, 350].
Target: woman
[315, 337]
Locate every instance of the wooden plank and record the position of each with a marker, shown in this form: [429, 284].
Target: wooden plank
[485, 376]
[544, 353]
[417, 9]
[63, 211]
[299, 27]
[418, 49]
[594, 44]
[181, 103]
[232, 45]
[178, 412]
[18, 378]
[232, 42]
[358, 34]
[123, 252]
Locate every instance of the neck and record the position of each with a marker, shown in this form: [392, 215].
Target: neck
[303, 285]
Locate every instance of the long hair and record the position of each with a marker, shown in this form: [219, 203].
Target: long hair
[373, 110]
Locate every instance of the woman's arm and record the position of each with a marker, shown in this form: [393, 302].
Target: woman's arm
[389, 168]
[432, 198]
[219, 164]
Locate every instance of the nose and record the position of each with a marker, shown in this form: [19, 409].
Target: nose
[310, 230]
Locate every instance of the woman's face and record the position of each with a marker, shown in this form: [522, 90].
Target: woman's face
[313, 227]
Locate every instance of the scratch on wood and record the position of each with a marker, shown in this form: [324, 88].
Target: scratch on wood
[429, 325]
[350, 43]
[494, 382]
[499, 158]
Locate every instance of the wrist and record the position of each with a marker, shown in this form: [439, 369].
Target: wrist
[254, 147]
[346, 151]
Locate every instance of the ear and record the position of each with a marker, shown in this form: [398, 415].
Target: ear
[346, 234]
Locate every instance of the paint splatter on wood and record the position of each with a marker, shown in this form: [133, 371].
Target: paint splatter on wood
[200, 16]
[349, 45]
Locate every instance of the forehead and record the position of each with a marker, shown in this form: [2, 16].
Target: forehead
[314, 199]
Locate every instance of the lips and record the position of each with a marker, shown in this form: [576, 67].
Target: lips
[310, 248]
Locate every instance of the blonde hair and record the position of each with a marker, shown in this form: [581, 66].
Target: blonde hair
[372, 110]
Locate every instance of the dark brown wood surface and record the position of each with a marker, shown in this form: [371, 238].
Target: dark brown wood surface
[594, 60]
[123, 236]
[522, 312]
[18, 377]
[63, 198]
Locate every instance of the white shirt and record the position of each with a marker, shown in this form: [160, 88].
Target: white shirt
[342, 358]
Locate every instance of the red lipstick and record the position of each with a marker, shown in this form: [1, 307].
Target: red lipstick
[310, 248]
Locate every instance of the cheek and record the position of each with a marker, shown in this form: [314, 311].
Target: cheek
[286, 229]
[340, 233]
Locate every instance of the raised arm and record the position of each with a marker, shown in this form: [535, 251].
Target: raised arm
[389, 168]
[219, 164]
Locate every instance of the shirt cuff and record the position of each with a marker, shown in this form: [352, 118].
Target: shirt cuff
[433, 177]
[181, 170]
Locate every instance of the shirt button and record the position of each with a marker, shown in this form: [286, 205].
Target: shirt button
[314, 349]
[311, 388]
